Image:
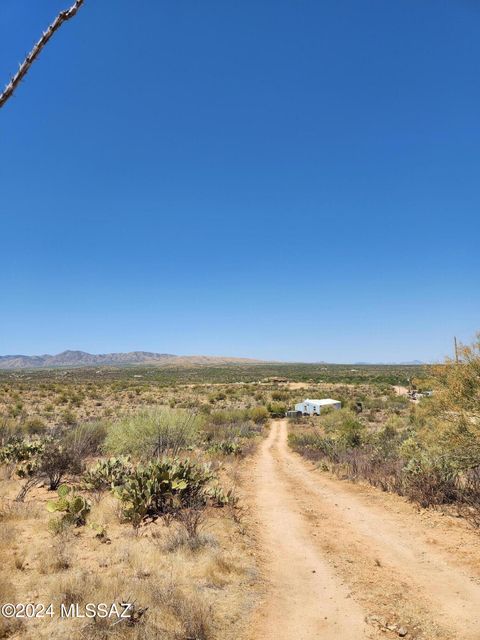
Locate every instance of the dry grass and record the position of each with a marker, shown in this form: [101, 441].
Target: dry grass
[57, 556]
[179, 538]
[183, 585]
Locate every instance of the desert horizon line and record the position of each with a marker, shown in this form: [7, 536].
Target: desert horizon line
[143, 356]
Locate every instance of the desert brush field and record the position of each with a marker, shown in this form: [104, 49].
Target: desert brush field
[185, 493]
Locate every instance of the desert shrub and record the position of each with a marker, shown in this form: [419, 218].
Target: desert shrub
[312, 444]
[56, 461]
[179, 538]
[68, 417]
[204, 409]
[191, 519]
[430, 481]
[351, 432]
[259, 415]
[222, 430]
[8, 430]
[470, 491]
[382, 460]
[29, 472]
[443, 458]
[189, 532]
[232, 416]
[276, 409]
[35, 458]
[85, 439]
[34, 426]
[343, 425]
[153, 432]
[280, 395]
[341, 431]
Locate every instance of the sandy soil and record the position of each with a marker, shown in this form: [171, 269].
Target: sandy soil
[344, 561]
[400, 391]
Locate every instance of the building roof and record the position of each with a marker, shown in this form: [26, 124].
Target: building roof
[323, 402]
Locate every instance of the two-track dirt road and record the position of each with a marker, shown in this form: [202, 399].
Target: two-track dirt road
[345, 562]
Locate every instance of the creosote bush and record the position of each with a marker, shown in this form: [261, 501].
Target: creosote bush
[56, 461]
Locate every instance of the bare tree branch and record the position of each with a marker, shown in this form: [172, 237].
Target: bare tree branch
[62, 17]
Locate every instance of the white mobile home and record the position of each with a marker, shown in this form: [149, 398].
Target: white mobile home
[314, 407]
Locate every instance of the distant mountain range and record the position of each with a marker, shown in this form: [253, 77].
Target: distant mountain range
[84, 359]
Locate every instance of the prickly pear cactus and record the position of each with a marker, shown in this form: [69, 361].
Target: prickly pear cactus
[221, 498]
[107, 474]
[162, 487]
[74, 507]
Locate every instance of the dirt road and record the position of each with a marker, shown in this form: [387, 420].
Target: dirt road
[343, 561]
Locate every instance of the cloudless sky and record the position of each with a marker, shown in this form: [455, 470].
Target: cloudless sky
[288, 179]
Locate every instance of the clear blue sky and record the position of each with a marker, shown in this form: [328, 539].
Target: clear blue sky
[279, 179]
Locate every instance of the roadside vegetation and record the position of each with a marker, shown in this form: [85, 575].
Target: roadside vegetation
[427, 451]
[140, 507]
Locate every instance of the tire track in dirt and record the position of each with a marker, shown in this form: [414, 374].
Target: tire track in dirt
[365, 560]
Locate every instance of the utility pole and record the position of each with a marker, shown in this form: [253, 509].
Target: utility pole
[456, 348]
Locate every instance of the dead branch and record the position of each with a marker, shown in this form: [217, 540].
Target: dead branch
[62, 17]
